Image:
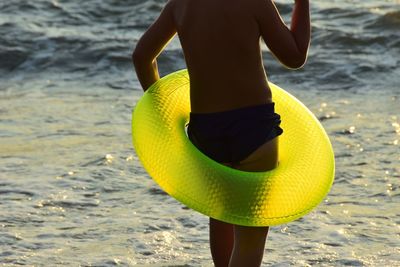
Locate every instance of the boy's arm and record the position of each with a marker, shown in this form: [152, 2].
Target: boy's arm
[150, 46]
[290, 47]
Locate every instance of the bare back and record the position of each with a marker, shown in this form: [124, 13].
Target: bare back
[221, 44]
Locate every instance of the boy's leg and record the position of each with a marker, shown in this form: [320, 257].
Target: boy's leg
[249, 242]
[249, 246]
[241, 245]
[221, 242]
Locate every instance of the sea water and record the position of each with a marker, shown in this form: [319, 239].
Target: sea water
[73, 193]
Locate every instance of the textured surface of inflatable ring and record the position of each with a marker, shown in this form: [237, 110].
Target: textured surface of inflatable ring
[300, 182]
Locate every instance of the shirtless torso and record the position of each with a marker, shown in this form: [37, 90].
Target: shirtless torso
[221, 44]
[223, 57]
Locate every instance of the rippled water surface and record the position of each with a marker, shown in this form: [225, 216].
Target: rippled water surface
[73, 193]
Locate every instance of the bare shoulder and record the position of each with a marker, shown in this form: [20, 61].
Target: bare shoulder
[171, 6]
[262, 7]
[174, 7]
[175, 4]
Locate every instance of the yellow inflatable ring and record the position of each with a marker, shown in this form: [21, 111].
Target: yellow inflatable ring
[300, 182]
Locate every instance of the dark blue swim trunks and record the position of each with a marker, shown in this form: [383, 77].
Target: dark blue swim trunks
[231, 136]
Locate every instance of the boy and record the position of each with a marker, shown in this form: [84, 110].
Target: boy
[232, 116]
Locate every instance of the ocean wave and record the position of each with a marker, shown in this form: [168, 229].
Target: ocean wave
[14, 45]
[95, 39]
[389, 21]
[16, 192]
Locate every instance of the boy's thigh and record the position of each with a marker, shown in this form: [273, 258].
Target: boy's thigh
[263, 158]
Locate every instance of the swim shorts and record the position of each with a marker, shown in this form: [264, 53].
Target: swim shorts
[231, 136]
